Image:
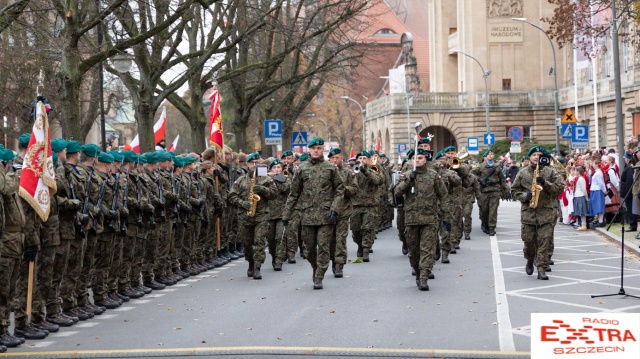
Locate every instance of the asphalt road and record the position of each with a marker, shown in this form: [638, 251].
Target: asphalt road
[478, 306]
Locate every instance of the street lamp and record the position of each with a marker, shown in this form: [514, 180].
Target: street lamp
[406, 92]
[362, 111]
[122, 61]
[485, 74]
[555, 78]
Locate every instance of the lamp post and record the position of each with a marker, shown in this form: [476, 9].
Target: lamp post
[362, 113]
[406, 93]
[485, 74]
[555, 79]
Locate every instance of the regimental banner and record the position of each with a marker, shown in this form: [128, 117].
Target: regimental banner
[505, 32]
[585, 336]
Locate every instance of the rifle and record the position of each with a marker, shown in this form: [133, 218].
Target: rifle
[203, 220]
[125, 201]
[80, 219]
[187, 194]
[173, 190]
[100, 199]
[229, 181]
[85, 208]
[177, 205]
[163, 215]
[114, 202]
[139, 219]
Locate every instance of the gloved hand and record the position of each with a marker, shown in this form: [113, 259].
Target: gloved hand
[246, 205]
[413, 176]
[540, 181]
[447, 225]
[148, 208]
[75, 204]
[216, 172]
[200, 202]
[333, 216]
[259, 189]
[113, 214]
[364, 168]
[124, 213]
[30, 253]
[528, 198]
[285, 222]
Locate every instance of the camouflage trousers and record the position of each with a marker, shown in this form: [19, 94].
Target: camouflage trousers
[233, 235]
[456, 224]
[103, 261]
[165, 247]
[197, 250]
[116, 262]
[277, 247]
[150, 253]
[422, 243]
[488, 207]
[400, 225]
[88, 269]
[537, 242]
[255, 239]
[20, 297]
[226, 227]
[9, 268]
[363, 227]
[292, 236]
[445, 238]
[137, 264]
[60, 265]
[466, 217]
[52, 266]
[187, 244]
[71, 279]
[178, 240]
[210, 232]
[128, 251]
[316, 240]
[338, 244]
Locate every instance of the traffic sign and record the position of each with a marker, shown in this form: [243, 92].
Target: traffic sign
[472, 145]
[516, 133]
[515, 147]
[580, 136]
[565, 130]
[569, 117]
[273, 132]
[402, 148]
[489, 139]
[299, 139]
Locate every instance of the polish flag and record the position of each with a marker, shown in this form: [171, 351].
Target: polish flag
[174, 145]
[352, 154]
[135, 144]
[160, 128]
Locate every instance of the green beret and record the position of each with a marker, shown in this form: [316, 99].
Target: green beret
[151, 158]
[424, 140]
[54, 157]
[130, 156]
[487, 152]
[449, 148]
[117, 156]
[286, 153]
[74, 146]
[410, 153]
[374, 152]
[178, 162]
[275, 162]
[363, 153]
[254, 156]
[561, 160]
[405, 160]
[439, 155]
[58, 144]
[316, 141]
[535, 149]
[303, 157]
[427, 153]
[91, 150]
[187, 160]
[105, 157]
[24, 139]
[383, 155]
[1, 146]
[141, 160]
[6, 155]
[172, 154]
[422, 151]
[334, 151]
[163, 156]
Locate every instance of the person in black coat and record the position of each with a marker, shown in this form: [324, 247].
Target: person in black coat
[626, 182]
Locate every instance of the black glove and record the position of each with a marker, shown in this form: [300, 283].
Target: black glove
[30, 253]
[447, 225]
[75, 203]
[216, 172]
[200, 202]
[259, 189]
[246, 205]
[413, 175]
[113, 214]
[285, 222]
[333, 216]
[540, 181]
[528, 198]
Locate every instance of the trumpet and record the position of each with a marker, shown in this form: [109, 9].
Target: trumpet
[285, 171]
[454, 162]
[356, 168]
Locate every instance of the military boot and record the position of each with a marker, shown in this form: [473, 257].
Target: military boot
[277, 267]
[9, 340]
[240, 249]
[445, 257]
[29, 332]
[292, 259]
[365, 255]
[457, 246]
[551, 262]
[492, 231]
[359, 252]
[467, 236]
[338, 270]
[431, 276]
[422, 285]
[542, 275]
[529, 266]
[59, 320]
[405, 250]
[256, 273]
[547, 269]
[251, 270]
[453, 251]
[317, 283]
[46, 326]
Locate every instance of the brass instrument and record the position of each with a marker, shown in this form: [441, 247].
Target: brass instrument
[253, 198]
[374, 166]
[535, 188]
[285, 171]
[454, 162]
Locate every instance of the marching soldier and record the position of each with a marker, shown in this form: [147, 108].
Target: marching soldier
[363, 225]
[471, 191]
[541, 184]
[451, 181]
[318, 187]
[492, 183]
[277, 249]
[457, 197]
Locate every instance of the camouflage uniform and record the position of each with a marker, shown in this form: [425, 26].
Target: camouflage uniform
[164, 267]
[105, 245]
[88, 264]
[363, 220]
[492, 182]
[423, 210]
[538, 223]
[180, 223]
[133, 225]
[153, 235]
[150, 199]
[451, 181]
[457, 205]
[338, 244]
[471, 191]
[318, 187]
[277, 248]
[193, 223]
[118, 265]
[213, 201]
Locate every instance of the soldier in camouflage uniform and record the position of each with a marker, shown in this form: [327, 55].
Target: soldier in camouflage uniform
[363, 225]
[318, 186]
[11, 245]
[150, 200]
[537, 223]
[451, 181]
[338, 244]
[492, 183]
[193, 203]
[407, 164]
[471, 192]
[277, 249]
[221, 173]
[253, 230]
[154, 223]
[180, 218]
[422, 209]
[213, 209]
[457, 198]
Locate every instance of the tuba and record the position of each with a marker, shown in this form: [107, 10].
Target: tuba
[253, 198]
[535, 188]
[454, 162]
[374, 166]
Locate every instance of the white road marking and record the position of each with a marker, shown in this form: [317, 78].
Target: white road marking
[37, 344]
[155, 295]
[63, 334]
[181, 285]
[86, 325]
[170, 290]
[502, 304]
[123, 309]
[141, 301]
[106, 316]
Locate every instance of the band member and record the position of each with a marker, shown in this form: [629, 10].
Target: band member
[317, 185]
[451, 181]
[422, 206]
[537, 187]
[277, 247]
[492, 183]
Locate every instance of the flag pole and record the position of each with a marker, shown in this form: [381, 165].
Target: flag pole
[215, 162]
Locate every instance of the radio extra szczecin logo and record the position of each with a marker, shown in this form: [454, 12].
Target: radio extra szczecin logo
[585, 336]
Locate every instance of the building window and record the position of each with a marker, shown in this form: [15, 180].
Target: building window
[385, 32]
[506, 84]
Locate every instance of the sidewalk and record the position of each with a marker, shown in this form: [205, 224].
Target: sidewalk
[615, 232]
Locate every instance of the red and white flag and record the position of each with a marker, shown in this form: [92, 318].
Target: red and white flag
[160, 127]
[38, 176]
[215, 121]
[174, 145]
[135, 144]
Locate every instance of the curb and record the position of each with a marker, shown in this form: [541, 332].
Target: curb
[629, 246]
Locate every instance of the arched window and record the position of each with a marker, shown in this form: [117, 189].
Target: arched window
[385, 32]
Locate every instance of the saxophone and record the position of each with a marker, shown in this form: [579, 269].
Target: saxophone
[253, 198]
[535, 188]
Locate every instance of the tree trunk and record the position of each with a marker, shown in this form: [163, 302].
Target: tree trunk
[240, 123]
[70, 80]
[144, 115]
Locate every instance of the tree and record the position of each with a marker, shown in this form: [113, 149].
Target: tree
[10, 11]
